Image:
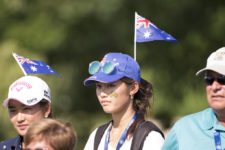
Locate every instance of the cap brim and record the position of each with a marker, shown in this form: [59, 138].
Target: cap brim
[200, 71]
[215, 69]
[102, 77]
[6, 102]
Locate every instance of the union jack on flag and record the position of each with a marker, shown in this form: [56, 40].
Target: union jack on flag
[23, 60]
[146, 31]
[33, 66]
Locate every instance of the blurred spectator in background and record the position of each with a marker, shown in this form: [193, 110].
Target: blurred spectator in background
[29, 100]
[50, 134]
[204, 130]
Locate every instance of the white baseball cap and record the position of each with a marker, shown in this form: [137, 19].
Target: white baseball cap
[215, 62]
[28, 90]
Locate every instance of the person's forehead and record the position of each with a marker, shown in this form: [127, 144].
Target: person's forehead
[115, 82]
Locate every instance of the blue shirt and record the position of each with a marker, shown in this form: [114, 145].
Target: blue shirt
[11, 144]
[195, 132]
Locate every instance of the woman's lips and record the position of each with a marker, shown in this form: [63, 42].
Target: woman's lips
[22, 127]
[104, 102]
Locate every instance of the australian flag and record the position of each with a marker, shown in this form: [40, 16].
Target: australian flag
[33, 66]
[146, 31]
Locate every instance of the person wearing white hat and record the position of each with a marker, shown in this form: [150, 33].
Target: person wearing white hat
[204, 130]
[28, 100]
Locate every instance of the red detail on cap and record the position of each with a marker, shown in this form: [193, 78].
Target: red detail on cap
[19, 89]
[19, 85]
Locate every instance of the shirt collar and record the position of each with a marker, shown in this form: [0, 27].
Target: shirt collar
[17, 142]
[210, 121]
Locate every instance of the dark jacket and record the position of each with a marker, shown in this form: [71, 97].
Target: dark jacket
[12, 144]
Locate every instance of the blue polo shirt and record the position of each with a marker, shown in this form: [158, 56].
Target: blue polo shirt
[195, 132]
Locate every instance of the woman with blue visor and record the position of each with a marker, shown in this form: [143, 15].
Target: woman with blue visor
[125, 95]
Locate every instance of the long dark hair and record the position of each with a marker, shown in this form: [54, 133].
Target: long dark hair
[142, 100]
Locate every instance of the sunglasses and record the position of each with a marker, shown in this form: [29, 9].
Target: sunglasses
[209, 80]
[106, 67]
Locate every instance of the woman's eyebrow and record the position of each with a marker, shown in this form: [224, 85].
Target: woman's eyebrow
[11, 106]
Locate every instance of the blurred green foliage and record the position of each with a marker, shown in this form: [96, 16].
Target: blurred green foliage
[69, 34]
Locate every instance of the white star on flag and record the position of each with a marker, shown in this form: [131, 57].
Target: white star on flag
[33, 68]
[147, 34]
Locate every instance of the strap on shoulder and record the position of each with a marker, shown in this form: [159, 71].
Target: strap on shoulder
[141, 132]
[99, 133]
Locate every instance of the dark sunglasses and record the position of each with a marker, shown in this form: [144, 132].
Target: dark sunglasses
[209, 80]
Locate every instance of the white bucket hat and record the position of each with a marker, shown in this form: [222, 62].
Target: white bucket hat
[28, 90]
[215, 62]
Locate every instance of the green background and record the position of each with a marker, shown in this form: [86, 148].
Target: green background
[69, 34]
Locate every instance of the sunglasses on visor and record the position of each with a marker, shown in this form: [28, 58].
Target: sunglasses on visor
[106, 67]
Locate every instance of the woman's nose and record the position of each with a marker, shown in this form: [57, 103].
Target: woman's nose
[20, 117]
